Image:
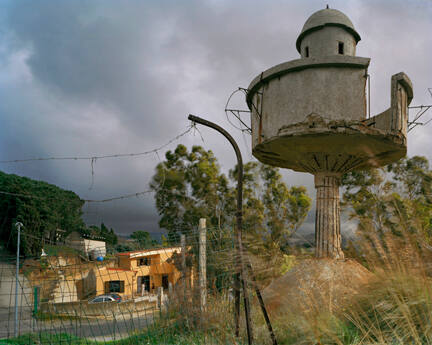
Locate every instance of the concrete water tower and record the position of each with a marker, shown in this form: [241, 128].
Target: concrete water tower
[310, 115]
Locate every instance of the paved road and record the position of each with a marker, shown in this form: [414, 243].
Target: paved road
[102, 330]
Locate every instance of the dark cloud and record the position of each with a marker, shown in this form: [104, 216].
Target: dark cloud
[98, 77]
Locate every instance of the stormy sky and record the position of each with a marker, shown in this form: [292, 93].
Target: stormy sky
[90, 78]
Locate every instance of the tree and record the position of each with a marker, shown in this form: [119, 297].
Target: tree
[414, 178]
[253, 207]
[272, 212]
[392, 201]
[189, 186]
[143, 239]
[40, 206]
[102, 232]
[119, 248]
[286, 208]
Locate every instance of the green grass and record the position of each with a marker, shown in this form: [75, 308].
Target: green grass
[59, 250]
[46, 338]
[153, 336]
[165, 331]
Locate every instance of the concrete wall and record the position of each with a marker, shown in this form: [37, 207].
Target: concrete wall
[86, 284]
[334, 93]
[395, 119]
[324, 42]
[90, 247]
[94, 248]
[401, 96]
[109, 309]
[65, 290]
[105, 275]
[7, 288]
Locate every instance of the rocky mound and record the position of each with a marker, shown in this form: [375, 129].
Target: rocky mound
[315, 285]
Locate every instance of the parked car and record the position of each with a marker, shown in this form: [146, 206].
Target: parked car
[117, 297]
[105, 298]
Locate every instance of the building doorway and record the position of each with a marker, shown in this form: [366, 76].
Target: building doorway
[143, 284]
[165, 282]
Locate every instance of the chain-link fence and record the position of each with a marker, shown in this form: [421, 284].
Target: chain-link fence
[149, 296]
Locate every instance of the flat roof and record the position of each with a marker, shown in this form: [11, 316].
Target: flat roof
[148, 252]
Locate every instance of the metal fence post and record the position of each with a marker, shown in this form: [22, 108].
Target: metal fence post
[18, 225]
[35, 300]
[160, 299]
[183, 263]
[202, 265]
[115, 323]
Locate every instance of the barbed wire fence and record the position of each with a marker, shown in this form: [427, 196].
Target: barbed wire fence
[165, 292]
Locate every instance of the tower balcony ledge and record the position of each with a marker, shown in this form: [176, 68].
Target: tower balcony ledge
[320, 145]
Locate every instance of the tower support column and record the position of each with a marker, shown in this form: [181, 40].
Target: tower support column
[327, 220]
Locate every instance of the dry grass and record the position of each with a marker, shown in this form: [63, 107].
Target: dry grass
[394, 307]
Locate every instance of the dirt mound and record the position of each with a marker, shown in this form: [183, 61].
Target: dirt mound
[316, 285]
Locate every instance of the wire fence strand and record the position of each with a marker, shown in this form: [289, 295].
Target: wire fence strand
[61, 292]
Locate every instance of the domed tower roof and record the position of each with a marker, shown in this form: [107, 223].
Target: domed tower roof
[327, 17]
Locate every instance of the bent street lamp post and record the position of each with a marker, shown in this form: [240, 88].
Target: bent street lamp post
[239, 277]
[240, 263]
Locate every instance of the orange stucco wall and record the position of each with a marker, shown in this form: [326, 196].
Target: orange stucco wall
[129, 270]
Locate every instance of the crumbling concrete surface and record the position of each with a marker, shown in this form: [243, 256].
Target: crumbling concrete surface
[318, 144]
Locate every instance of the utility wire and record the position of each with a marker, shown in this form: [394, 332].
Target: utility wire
[121, 197]
[126, 196]
[93, 158]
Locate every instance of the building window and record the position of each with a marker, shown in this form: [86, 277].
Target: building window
[144, 262]
[340, 48]
[306, 51]
[114, 286]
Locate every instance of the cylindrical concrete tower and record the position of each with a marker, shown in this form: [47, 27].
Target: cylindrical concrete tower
[309, 115]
